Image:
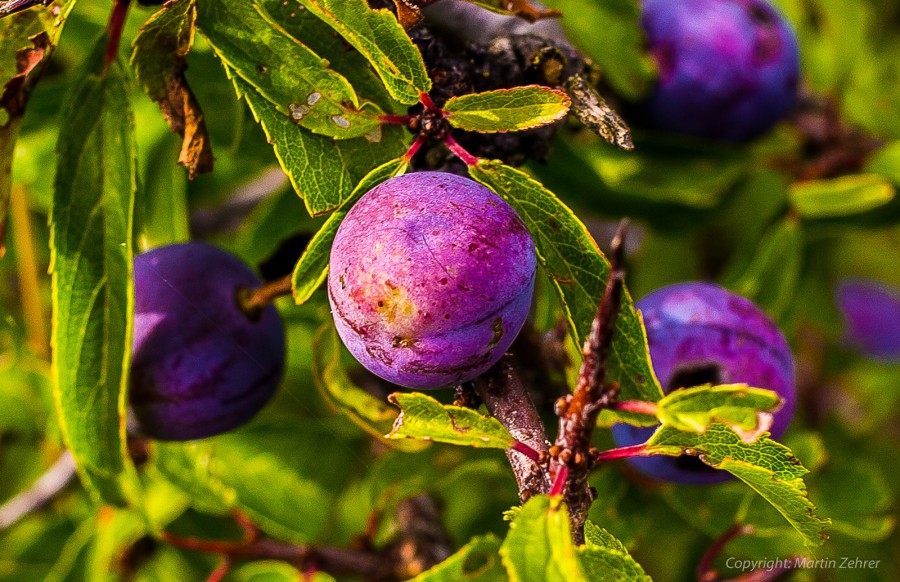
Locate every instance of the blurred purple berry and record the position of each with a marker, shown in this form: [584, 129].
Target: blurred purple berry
[430, 279]
[201, 366]
[728, 69]
[700, 333]
[871, 314]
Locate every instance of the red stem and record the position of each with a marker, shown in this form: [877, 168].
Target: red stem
[426, 100]
[114, 30]
[637, 406]
[460, 151]
[704, 568]
[395, 119]
[527, 451]
[221, 571]
[622, 453]
[414, 147]
[559, 483]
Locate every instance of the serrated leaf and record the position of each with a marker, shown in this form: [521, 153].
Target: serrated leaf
[286, 72]
[27, 40]
[92, 291]
[592, 110]
[312, 268]
[840, 196]
[160, 50]
[772, 276]
[424, 418]
[322, 171]
[343, 396]
[747, 411]
[610, 33]
[603, 557]
[579, 271]
[539, 545]
[478, 560]
[380, 38]
[507, 109]
[768, 467]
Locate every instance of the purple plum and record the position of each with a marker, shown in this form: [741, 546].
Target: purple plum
[430, 279]
[201, 366]
[700, 333]
[728, 69]
[871, 314]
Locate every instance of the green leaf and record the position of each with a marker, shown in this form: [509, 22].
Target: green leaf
[93, 294]
[162, 211]
[159, 60]
[603, 557]
[312, 268]
[507, 109]
[747, 411]
[840, 196]
[772, 277]
[322, 171]
[287, 73]
[579, 270]
[27, 40]
[610, 34]
[342, 395]
[380, 38]
[261, 471]
[768, 467]
[423, 417]
[272, 571]
[539, 546]
[886, 162]
[478, 561]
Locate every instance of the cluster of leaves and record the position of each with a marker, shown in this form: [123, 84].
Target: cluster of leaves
[323, 81]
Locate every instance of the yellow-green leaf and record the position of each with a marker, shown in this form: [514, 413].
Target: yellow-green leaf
[841, 196]
[424, 418]
[507, 109]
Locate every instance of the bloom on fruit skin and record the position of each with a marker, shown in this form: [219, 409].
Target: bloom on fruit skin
[430, 279]
[200, 365]
[871, 313]
[701, 333]
[728, 69]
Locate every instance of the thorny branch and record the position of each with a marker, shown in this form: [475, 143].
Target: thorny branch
[578, 411]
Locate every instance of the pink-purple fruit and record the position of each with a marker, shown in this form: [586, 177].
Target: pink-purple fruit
[201, 366]
[700, 333]
[430, 279]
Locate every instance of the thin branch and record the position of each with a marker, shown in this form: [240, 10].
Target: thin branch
[506, 398]
[44, 490]
[13, 6]
[578, 411]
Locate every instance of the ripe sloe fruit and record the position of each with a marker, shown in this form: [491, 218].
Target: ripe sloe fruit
[201, 366]
[700, 333]
[728, 69]
[430, 279]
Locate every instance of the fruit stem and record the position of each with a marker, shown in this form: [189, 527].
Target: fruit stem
[467, 158]
[253, 301]
[114, 32]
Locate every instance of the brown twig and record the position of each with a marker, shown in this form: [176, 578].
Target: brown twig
[506, 398]
[578, 411]
[44, 490]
